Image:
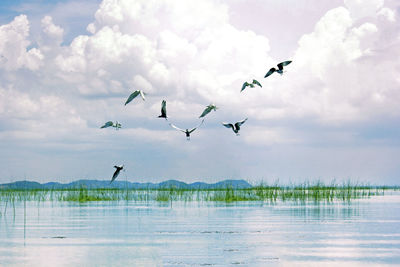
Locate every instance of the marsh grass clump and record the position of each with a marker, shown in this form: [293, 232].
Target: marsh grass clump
[317, 192]
[163, 195]
[305, 192]
[84, 195]
[230, 195]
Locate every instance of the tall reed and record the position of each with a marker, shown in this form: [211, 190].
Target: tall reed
[317, 192]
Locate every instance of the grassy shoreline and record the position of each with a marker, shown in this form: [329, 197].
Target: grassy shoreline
[317, 192]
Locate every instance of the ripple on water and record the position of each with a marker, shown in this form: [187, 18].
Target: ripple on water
[363, 233]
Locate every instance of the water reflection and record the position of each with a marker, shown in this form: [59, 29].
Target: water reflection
[326, 211]
[363, 232]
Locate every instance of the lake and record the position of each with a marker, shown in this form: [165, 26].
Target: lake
[363, 232]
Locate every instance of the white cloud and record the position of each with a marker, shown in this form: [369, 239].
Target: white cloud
[158, 46]
[154, 45]
[338, 53]
[141, 135]
[75, 61]
[260, 136]
[363, 8]
[43, 117]
[320, 48]
[53, 34]
[191, 54]
[16, 104]
[140, 83]
[149, 18]
[387, 13]
[91, 28]
[13, 46]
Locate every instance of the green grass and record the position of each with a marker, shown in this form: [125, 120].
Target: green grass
[316, 192]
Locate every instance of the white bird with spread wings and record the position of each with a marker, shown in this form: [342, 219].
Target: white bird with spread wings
[187, 131]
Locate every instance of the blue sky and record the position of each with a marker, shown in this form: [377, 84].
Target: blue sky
[74, 16]
[66, 67]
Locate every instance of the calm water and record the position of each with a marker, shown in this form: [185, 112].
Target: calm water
[363, 233]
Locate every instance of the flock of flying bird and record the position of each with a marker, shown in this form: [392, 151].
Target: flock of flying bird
[234, 126]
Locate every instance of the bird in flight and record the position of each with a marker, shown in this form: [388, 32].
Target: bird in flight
[116, 125]
[280, 68]
[163, 110]
[135, 94]
[187, 131]
[208, 110]
[255, 82]
[235, 127]
[118, 169]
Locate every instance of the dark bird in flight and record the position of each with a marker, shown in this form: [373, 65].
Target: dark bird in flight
[235, 127]
[187, 131]
[255, 82]
[163, 110]
[116, 125]
[280, 68]
[135, 94]
[208, 110]
[118, 169]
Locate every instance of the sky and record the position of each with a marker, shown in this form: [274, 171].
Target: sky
[67, 67]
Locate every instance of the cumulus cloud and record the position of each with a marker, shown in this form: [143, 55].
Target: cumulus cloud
[53, 34]
[38, 115]
[190, 54]
[201, 57]
[160, 48]
[363, 8]
[13, 46]
[388, 14]
[344, 58]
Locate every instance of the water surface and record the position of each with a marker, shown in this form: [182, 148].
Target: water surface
[360, 233]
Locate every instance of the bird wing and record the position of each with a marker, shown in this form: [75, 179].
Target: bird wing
[142, 94]
[192, 130]
[239, 123]
[284, 63]
[227, 125]
[177, 128]
[257, 83]
[164, 109]
[244, 86]
[271, 70]
[107, 124]
[206, 111]
[115, 175]
[132, 96]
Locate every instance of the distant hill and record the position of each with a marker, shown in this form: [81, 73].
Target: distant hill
[93, 184]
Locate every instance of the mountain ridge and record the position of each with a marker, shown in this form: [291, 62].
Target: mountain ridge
[97, 184]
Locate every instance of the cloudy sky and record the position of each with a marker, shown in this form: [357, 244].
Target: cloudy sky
[67, 67]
